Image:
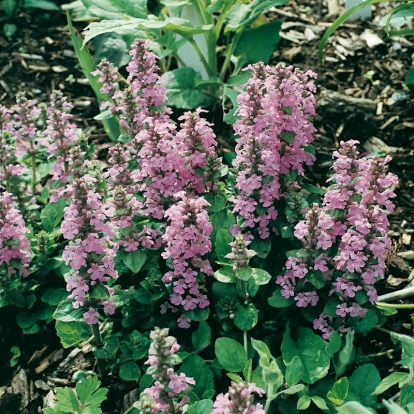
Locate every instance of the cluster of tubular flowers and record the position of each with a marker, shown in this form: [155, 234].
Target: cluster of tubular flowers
[14, 245]
[91, 252]
[143, 97]
[353, 219]
[274, 131]
[166, 393]
[238, 400]
[60, 136]
[187, 239]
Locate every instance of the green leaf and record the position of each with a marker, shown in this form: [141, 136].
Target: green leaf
[225, 275]
[224, 219]
[65, 312]
[244, 273]
[230, 354]
[409, 77]
[260, 276]
[292, 390]
[235, 377]
[195, 367]
[243, 14]
[223, 238]
[364, 380]
[247, 370]
[287, 136]
[394, 408]
[69, 333]
[319, 402]
[303, 402]
[261, 247]
[52, 214]
[201, 338]
[245, 317]
[293, 371]
[279, 301]
[66, 400]
[217, 201]
[181, 88]
[129, 371]
[99, 291]
[353, 407]
[200, 407]
[41, 4]
[107, 9]
[312, 350]
[257, 44]
[407, 343]
[347, 354]
[339, 391]
[365, 324]
[262, 349]
[407, 395]
[90, 395]
[230, 95]
[109, 348]
[392, 379]
[198, 315]
[26, 319]
[135, 260]
[272, 374]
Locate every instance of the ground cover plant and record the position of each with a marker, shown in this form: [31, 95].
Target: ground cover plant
[241, 286]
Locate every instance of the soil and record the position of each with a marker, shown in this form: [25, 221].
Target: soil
[379, 112]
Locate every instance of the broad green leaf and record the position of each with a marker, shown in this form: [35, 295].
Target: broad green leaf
[225, 275]
[407, 343]
[409, 77]
[339, 391]
[347, 354]
[109, 348]
[394, 408]
[312, 350]
[86, 387]
[303, 402]
[65, 312]
[263, 350]
[390, 380]
[223, 238]
[260, 276]
[230, 96]
[279, 301]
[365, 324]
[69, 333]
[99, 291]
[198, 315]
[135, 260]
[319, 402]
[245, 317]
[107, 9]
[258, 44]
[247, 370]
[129, 371]
[273, 375]
[244, 273]
[217, 201]
[407, 395]
[224, 219]
[364, 380]
[230, 354]
[353, 407]
[66, 400]
[261, 247]
[200, 407]
[195, 367]
[292, 390]
[201, 338]
[181, 89]
[235, 377]
[52, 214]
[26, 319]
[293, 371]
[243, 14]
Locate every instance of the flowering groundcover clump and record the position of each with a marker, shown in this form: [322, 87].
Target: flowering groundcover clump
[264, 279]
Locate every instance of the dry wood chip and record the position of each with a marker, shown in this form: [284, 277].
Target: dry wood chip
[27, 56]
[389, 121]
[375, 145]
[407, 255]
[309, 34]
[406, 239]
[59, 69]
[291, 53]
[39, 67]
[371, 38]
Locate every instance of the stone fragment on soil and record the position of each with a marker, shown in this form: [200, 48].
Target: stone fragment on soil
[20, 385]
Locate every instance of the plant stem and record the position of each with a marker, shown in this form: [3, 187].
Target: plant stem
[229, 54]
[201, 56]
[245, 341]
[395, 305]
[99, 344]
[33, 156]
[269, 394]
